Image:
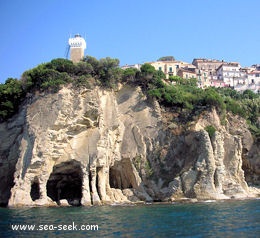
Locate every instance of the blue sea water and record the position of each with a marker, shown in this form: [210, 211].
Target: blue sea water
[212, 219]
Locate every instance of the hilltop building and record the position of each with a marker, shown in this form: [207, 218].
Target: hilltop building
[209, 65]
[253, 80]
[187, 73]
[134, 66]
[77, 47]
[169, 68]
[211, 73]
[231, 74]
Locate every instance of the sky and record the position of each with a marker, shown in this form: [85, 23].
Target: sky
[136, 31]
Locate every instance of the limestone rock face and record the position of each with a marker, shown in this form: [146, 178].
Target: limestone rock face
[83, 147]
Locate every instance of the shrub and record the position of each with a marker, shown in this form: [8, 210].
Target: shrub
[85, 81]
[211, 130]
[234, 107]
[11, 95]
[62, 65]
[83, 68]
[129, 74]
[212, 98]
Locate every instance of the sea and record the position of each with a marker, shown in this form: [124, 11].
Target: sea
[235, 218]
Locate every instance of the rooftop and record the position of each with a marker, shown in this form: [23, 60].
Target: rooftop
[207, 60]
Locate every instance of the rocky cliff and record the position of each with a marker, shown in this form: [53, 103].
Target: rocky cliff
[99, 146]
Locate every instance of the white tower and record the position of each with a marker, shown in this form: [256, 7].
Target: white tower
[77, 46]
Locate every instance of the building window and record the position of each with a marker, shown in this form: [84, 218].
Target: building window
[170, 69]
[177, 66]
[160, 68]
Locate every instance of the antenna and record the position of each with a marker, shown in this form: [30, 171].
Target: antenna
[67, 51]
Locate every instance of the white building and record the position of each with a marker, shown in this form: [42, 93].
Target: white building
[253, 79]
[134, 66]
[77, 47]
[231, 74]
[170, 68]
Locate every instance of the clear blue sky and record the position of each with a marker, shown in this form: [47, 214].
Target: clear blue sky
[136, 31]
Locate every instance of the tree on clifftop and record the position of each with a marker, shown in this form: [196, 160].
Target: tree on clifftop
[166, 58]
[11, 94]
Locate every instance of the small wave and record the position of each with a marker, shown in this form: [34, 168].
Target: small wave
[208, 201]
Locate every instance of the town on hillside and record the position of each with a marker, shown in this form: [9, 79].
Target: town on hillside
[210, 72]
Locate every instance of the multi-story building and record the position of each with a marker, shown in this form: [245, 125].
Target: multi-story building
[206, 71]
[212, 73]
[135, 66]
[217, 84]
[169, 68]
[203, 79]
[187, 73]
[231, 74]
[256, 67]
[253, 79]
[208, 65]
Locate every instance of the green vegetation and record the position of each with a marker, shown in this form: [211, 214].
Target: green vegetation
[129, 75]
[143, 164]
[184, 96]
[178, 94]
[49, 77]
[11, 96]
[211, 130]
[166, 58]
[180, 81]
[246, 105]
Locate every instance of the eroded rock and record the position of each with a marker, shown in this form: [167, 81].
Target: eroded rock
[80, 147]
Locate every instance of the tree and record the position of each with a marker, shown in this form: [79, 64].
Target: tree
[147, 71]
[249, 94]
[166, 58]
[176, 79]
[62, 65]
[94, 63]
[129, 74]
[109, 72]
[84, 68]
[159, 75]
[11, 95]
[213, 98]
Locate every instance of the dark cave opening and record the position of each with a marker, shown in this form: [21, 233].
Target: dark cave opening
[65, 182]
[216, 182]
[114, 178]
[35, 190]
[97, 181]
[118, 179]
